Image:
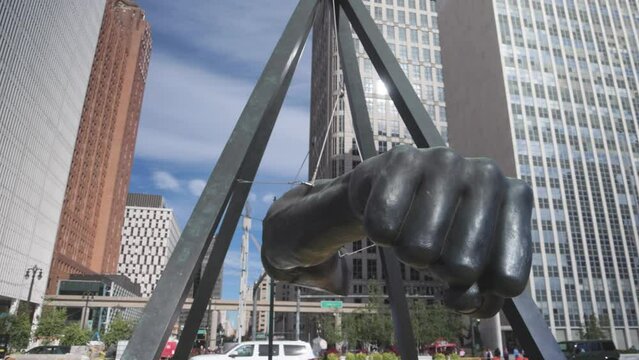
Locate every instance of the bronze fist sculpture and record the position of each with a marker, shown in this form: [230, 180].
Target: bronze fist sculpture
[458, 218]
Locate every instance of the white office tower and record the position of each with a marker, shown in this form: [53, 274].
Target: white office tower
[46, 53]
[149, 235]
[549, 89]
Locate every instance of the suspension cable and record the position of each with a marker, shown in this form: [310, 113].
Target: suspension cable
[340, 96]
[341, 254]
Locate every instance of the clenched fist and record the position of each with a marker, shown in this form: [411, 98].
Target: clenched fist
[458, 218]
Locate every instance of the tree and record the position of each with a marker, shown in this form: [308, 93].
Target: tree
[433, 321]
[119, 329]
[373, 324]
[330, 331]
[74, 334]
[18, 327]
[592, 329]
[51, 324]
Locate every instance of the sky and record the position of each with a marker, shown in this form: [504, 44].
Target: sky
[206, 58]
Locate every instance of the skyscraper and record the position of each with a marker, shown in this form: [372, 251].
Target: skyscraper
[88, 239]
[46, 51]
[149, 235]
[410, 28]
[549, 89]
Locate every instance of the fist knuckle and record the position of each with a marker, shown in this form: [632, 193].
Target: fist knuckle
[463, 270]
[487, 170]
[418, 254]
[445, 157]
[511, 285]
[520, 188]
[403, 154]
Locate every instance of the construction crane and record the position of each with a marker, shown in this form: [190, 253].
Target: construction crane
[244, 252]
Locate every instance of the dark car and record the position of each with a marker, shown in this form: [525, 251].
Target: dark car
[590, 349]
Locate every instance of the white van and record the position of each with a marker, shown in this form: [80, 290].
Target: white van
[258, 350]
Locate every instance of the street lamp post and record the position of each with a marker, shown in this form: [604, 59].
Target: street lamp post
[32, 272]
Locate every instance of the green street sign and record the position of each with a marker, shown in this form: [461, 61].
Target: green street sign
[331, 304]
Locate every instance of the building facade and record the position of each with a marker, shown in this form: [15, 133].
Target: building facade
[149, 235]
[410, 29]
[40, 109]
[88, 239]
[549, 89]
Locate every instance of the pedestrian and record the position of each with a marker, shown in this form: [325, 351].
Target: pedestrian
[488, 355]
[497, 353]
[515, 353]
[506, 353]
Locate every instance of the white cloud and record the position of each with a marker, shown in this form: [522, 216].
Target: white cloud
[196, 186]
[233, 266]
[189, 113]
[242, 23]
[268, 198]
[164, 180]
[252, 197]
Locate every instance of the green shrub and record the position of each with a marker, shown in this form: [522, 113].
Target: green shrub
[376, 356]
[360, 356]
[74, 334]
[350, 356]
[439, 356]
[332, 357]
[389, 356]
[455, 357]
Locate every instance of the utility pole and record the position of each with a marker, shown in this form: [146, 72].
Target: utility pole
[271, 320]
[256, 287]
[297, 316]
[244, 251]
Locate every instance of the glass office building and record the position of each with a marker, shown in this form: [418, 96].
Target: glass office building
[549, 89]
[410, 28]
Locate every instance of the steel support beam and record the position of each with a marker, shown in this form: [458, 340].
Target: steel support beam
[211, 272]
[530, 328]
[159, 316]
[364, 133]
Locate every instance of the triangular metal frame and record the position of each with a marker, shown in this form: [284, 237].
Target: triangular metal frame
[224, 196]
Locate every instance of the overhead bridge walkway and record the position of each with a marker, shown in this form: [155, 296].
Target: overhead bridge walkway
[140, 302]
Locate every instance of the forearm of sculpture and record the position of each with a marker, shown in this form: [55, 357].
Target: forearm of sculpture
[316, 222]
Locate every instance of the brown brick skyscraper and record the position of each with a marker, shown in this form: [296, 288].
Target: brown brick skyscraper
[89, 234]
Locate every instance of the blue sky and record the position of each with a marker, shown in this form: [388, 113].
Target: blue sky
[207, 56]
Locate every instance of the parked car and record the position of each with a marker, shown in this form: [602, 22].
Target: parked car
[282, 350]
[590, 349]
[38, 352]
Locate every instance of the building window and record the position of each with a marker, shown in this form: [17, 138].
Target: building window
[371, 270]
[357, 268]
[382, 146]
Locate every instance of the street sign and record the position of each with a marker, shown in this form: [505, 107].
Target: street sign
[331, 304]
